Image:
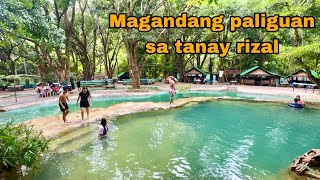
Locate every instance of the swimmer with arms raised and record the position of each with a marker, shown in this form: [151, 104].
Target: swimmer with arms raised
[172, 89]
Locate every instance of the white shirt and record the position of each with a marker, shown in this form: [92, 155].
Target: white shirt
[101, 129]
[60, 90]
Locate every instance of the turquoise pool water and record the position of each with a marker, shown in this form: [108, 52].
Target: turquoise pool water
[215, 140]
[51, 109]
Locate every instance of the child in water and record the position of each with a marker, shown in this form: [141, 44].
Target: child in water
[103, 129]
[296, 101]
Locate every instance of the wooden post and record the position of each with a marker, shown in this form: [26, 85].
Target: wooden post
[240, 72]
[15, 90]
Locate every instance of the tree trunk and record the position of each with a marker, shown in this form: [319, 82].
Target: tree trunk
[13, 68]
[302, 37]
[67, 57]
[210, 65]
[55, 68]
[94, 50]
[60, 68]
[75, 62]
[203, 61]
[198, 60]
[166, 72]
[67, 71]
[105, 54]
[25, 66]
[133, 58]
[181, 67]
[86, 66]
[40, 64]
[68, 28]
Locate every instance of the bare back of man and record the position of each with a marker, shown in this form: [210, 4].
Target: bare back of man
[172, 88]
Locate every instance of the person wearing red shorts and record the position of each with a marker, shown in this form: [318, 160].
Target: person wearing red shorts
[172, 89]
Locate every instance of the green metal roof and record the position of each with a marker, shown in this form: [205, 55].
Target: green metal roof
[200, 70]
[257, 67]
[313, 73]
[121, 74]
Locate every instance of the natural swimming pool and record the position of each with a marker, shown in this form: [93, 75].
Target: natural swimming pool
[51, 109]
[214, 140]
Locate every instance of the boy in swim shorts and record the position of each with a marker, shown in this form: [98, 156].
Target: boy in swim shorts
[63, 103]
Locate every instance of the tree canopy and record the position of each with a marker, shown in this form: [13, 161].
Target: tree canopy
[59, 39]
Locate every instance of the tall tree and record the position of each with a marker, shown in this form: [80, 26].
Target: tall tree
[131, 37]
[85, 38]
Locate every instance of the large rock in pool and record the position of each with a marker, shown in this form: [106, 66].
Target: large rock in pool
[307, 165]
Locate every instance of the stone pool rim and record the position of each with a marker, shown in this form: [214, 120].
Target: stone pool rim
[150, 106]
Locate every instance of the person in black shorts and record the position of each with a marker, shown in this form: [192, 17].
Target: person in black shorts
[63, 103]
[85, 98]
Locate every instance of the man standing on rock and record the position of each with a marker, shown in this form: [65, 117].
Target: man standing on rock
[172, 89]
[63, 103]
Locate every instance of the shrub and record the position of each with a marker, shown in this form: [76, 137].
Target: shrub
[20, 146]
[183, 87]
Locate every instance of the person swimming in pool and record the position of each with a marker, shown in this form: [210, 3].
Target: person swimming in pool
[299, 100]
[103, 129]
[296, 101]
[172, 89]
[63, 103]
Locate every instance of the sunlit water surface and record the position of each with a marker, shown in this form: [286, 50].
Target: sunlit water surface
[215, 140]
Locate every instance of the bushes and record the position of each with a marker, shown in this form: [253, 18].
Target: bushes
[183, 87]
[20, 145]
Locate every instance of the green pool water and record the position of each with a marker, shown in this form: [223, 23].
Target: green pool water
[50, 109]
[215, 140]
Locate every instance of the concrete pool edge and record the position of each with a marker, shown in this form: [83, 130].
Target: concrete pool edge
[308, 97]
[77, 134]
[188, 101]
[53, 126]
[73, 97]
[313, 105]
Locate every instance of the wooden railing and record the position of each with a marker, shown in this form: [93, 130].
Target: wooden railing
[143, 81]
[98, 83]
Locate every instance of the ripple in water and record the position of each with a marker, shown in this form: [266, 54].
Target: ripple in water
[229, 166]
[216, 140]
[157, 135]
[179, 167]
